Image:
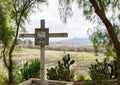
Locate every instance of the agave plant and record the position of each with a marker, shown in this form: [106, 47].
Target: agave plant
[31, 70]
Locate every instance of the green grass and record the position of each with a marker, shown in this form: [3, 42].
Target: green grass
[82, 59]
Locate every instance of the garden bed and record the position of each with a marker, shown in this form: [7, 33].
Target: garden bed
[34, 81]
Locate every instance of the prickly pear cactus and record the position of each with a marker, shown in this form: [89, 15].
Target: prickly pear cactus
[62, 71]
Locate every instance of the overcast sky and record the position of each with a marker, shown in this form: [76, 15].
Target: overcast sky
[76, 27]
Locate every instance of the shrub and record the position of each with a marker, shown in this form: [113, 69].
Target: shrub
[16, 72]
[3, 77]
[31, 70]
[16, 75]
[62, 70]
[100, 70]
[103, 70]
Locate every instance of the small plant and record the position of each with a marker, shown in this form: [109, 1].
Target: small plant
[80, 77]
[31, 70]
[62, 70]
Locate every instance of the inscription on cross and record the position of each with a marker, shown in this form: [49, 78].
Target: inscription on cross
[42, 36]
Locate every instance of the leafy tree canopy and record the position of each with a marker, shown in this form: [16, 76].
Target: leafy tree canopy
[13, 14]
[6, 27]
[99, 36]
[109, 7]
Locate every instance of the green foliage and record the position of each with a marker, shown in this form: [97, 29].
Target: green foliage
[62, 70]
[6, 27]
[3, 77]
[16, 73]
[52, 73]
[80, 77]
[31, 70]
[101, 39]
[14, 14]
[100, 70]
[114, 70]
[103, 70]
[107, 6]
[65, 9]
[22, 9]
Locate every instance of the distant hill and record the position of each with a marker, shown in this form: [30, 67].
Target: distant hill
[75, 41]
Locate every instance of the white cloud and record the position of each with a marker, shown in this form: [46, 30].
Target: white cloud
[77, 26]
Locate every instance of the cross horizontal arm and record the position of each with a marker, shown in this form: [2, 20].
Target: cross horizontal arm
[27, 35]
[58, 35]
[50, 35]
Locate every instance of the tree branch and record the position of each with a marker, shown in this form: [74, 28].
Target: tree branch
[107, 23]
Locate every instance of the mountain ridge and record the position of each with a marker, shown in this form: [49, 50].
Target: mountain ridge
[75, 41]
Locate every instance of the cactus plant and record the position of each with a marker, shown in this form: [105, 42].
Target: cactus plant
[66, 64]
[104, 70]
[52, 73]
[62, 70]
[100, 70]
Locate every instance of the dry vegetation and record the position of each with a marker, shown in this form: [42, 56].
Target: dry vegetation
[82, 54]
[63, 47]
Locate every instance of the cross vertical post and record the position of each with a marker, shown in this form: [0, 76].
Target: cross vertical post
[42, 57]
[42, 67]
[42, 24]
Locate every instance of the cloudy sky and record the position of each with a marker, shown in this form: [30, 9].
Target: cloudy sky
[76, 27]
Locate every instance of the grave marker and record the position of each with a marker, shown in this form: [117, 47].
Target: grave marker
[42, 36]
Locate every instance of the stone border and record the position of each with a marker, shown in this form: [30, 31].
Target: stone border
[34, 81]
[49, 82]
[26, 82]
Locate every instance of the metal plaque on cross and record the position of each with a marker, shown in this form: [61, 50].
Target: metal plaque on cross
[41, 36]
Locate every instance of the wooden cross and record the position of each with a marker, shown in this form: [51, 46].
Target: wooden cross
[42, 36]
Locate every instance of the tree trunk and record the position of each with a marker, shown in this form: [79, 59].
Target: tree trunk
[10, 77]
[9, 67]
[118, 58]
[111, 32]
[10, 70]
